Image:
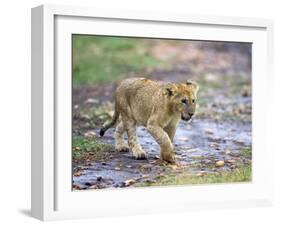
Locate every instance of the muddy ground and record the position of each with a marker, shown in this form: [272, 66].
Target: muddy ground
[218, 139]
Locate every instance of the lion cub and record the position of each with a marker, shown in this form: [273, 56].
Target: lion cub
[157, 106]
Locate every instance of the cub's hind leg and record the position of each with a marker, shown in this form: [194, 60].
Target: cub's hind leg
[138, 152]
[120, 144]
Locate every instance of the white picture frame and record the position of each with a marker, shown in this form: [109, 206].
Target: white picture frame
[52, 196]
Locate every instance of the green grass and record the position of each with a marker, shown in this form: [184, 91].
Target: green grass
[241, 174]
[101, 58]
[84, 146]
[247, 152]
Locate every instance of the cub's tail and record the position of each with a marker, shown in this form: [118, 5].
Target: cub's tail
[111, 123]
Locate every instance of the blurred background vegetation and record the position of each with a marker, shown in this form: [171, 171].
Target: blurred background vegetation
[98, 58]
[103, 58]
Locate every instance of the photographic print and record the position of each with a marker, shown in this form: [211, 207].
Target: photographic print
[158, 112]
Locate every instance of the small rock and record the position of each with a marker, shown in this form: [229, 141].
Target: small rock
[232, 161]
[240, 142]
[88, 183]
[129, 182]
[93, 187]
[214, 138]
[213, 145]
[219, 163]
[201, 174]
[99, 178]
[103, 163]
[76, 106]
[183, 139]
[208, 131]
[227, 152]
[192, 150]
[91, 101]
[90, 134]
[117, 168]
[211, 77]
[196, 157]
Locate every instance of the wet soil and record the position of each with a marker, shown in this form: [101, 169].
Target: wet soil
[198, 146]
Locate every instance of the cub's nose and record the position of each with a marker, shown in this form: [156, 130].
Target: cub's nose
[190, 114]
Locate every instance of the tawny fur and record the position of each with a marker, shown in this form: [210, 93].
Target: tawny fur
[157, 106]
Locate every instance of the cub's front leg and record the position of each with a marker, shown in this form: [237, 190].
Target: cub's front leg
[162, 138]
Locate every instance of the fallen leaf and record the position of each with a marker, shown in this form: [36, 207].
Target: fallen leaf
[77, 174]
[77, 148]
[76, 187]
[175, 166]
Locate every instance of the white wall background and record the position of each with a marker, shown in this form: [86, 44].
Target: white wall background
[15, 111]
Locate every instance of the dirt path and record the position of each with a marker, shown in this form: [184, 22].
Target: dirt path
[198, 146]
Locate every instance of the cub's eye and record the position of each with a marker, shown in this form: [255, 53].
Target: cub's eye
[184, 101]
[193, 101]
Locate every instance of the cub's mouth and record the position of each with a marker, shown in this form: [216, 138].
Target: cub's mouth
[186, 117]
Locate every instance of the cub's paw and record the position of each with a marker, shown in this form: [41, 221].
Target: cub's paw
[122, 148]
[168, 157]
[140, 154]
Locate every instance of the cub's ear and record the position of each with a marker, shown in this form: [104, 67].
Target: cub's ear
[193, 84]
[169, 89]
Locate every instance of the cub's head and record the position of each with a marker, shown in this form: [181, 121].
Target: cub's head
[182, 98]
